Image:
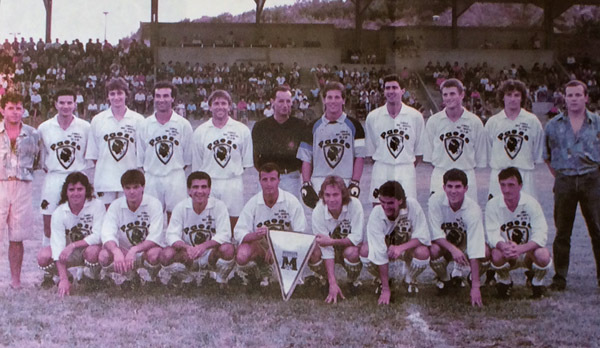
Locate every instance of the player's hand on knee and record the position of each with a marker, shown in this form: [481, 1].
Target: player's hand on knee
[395, 251]
[64, 288]
[334, 291]
[309, 195]
[384, 298]
[354, 188]
[460, 258]
[129, 260]
[119, 262]
[66, 253]
[197, 251]
[323, 240]
[476, 297]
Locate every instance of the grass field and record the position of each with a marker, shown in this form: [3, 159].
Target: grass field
[157, 317]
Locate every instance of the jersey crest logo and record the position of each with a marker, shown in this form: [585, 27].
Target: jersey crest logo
[136, 232]
[455, 234]
[342, 230]
[402, 232]
[513, 142]
[276, 224]
[118, 143]
[163, 147]
[222, 151]
[65, 152]
[199, 233]
[517, 231]
[454, 143]
[395, 141]
[333, 151]
[78, 232]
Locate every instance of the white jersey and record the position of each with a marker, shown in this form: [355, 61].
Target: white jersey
[128, 228]
[382, 232]
[461, 144]
[163, 148]
[112, 143]
[332, 146]
[527, 223]
[64, 149]
[67, 227]
[462, 228]
[394, 140]
[286, 215]
[223, 153]
[518, 143]
[194, 229]
[348, 225]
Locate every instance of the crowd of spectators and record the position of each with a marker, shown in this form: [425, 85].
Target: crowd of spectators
[364, 87]
[544, 83]
[39, 69]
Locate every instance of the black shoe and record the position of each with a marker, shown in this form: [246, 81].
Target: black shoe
[558, 284]
[443, 287]
[47, 282]
[458, 282]
[490, 278]
[529, 278]
[538, 291]
[504, 290]
[354, 288]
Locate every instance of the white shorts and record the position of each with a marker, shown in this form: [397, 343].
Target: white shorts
[16, 210]
[53, 183]
[437, 182]
[109, 197]
[202, 261]
[169, 189]
[528, 183]
[231, 192]
[405, 174]
[291, 183]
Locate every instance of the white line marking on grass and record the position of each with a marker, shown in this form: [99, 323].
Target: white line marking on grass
[419, 324]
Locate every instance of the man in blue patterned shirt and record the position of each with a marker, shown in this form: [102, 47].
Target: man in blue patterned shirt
[20, 153]
[572, 152]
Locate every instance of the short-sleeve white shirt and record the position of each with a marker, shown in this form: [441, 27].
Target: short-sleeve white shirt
[67, 227]
[64, 149]
[527, 223]
[394, 140]
[348, 225]
[286, 215]
[463, 228]
[381, 231]
[163, 148]
[194, 229]
[113, 144]
[128, 228]
[222, 152]
[461, 144]
[515, 143]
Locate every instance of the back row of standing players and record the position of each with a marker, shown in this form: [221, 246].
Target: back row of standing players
[396, 138]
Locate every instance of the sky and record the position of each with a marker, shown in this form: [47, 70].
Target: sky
[85, 19]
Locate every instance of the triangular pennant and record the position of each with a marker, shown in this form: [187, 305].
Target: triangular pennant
[291, 251]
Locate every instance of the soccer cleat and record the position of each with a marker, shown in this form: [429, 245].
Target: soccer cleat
[558, 285]
[47, 282]
[458, 282]
[490, 278]
[538, 291]
[444, 287]
[354, 287]
[504, 290]
[411, 288]
[528, 278]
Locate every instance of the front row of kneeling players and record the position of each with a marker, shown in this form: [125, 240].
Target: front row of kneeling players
[199, 233]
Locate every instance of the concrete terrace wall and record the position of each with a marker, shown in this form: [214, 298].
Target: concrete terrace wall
[494, 57]
[306, 57]
[245, 33]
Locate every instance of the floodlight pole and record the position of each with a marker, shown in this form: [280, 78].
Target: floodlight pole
[105, 15]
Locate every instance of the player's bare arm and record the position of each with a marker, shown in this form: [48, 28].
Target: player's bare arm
[334, 289]
[475, 292]
[384, 298]
[457, 255]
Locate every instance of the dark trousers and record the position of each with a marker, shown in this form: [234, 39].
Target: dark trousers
[568, 192]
